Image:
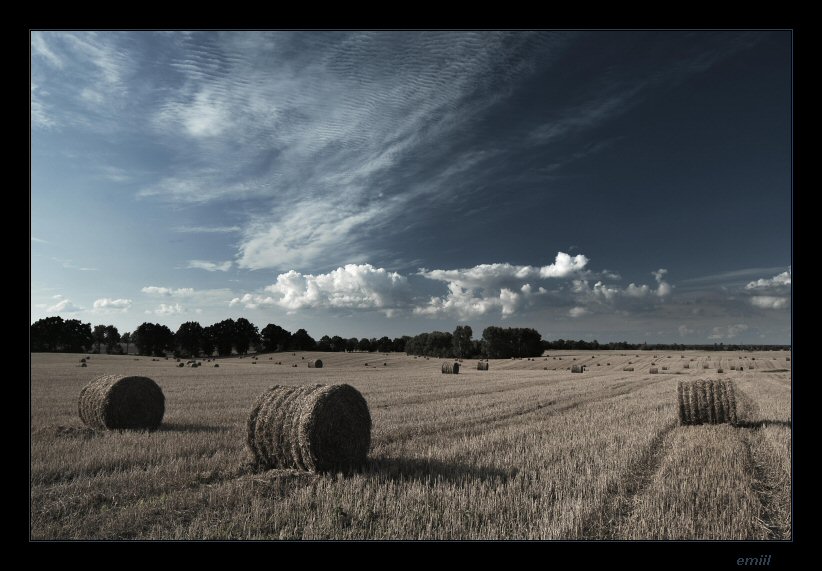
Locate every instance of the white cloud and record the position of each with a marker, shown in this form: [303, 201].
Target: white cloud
[168, 292]
[38, 240]
[779, 281]
[577, 311]
[210, 266]
[252, 301]
[770, 301]
[63, 306]
[168, 309]
[728, 332]
[106, 304]
[360, 286]
[637, 291]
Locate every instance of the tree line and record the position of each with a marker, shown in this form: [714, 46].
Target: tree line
[54, 334]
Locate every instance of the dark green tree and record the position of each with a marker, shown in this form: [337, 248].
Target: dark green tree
[225, 335]
[461, 341]
[189, 338]
[126, 338]
[112, 340]
[246, 335]
[99, 335]
[207, 343]
[302, 341]
[275, 338]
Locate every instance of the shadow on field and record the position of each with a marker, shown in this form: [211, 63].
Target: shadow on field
[190, 427]
[420, 469]
[762, 423]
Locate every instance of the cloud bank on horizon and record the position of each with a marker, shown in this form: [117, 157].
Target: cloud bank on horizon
[317, 175]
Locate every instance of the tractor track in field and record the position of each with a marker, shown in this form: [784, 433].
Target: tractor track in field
[608, 522]
[556, 405]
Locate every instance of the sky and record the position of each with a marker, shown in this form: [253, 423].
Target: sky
[609, 185]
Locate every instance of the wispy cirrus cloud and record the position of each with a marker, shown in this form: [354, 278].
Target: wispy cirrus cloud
[167, 309]
[207, 229]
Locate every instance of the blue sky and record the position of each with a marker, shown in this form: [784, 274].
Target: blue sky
[610, 185]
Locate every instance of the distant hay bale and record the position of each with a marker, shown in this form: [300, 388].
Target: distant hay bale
[686, 366]
[608, 364]
[706, 402]
[294, 365]
[733, 367]
[787, 358]
[451, 368]
[181, 364]
[122, 402]
[318, 428]
[83, 364]
[253, 362]
[483, 366]
[315, 364]
[653, 371]
[706, 366]
[664, 368]
[577, 368]
[628, 369]
[719, 370]
[216, 364]
[83, 360]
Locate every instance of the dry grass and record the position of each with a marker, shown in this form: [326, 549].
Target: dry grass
[516, 453]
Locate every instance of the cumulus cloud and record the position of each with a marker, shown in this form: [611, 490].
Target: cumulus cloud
[770, 293]
[65, 305]
[728, 332]
[106, 304]
[577, 311]
[769, 301]
[664, 288]
[167, 309]
[782, 280]
[168, 292]
[353, 286]
[210, 266]
[684, 331]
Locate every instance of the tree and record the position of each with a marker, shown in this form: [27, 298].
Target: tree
[245, 334]
[126, 338]
[112, 340]
[99, 335]
[337, 343]
[302, 341]
[324, 344]
[351, 344]
[384, 345]
[275, 338]
[224, 336]
[207, 343]
[461, 341]
[46, 334]
[154, 339]
[76, 336]
[189, 338]
[398, 344]
[364, 345]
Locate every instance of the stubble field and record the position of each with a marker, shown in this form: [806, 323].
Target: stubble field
[516, 452]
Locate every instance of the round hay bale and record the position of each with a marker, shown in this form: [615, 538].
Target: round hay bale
[318, 428]
[653, 371]
[577, 369]
[315, 364]
[664, 368]
[719, 370]
[181, 364]
[83, 365]
[122, 402]
[628, 369]
[216, 364]
[83, 360]
[483, 366]
[686, 366]
[706, 402]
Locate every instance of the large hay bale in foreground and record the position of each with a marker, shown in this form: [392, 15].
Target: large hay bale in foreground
[706, 402]
[451, 368]
[482, 366]
[315, 364]
[317, 428]
[122, 402]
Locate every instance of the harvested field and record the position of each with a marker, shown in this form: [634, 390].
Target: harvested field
[515, 452]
